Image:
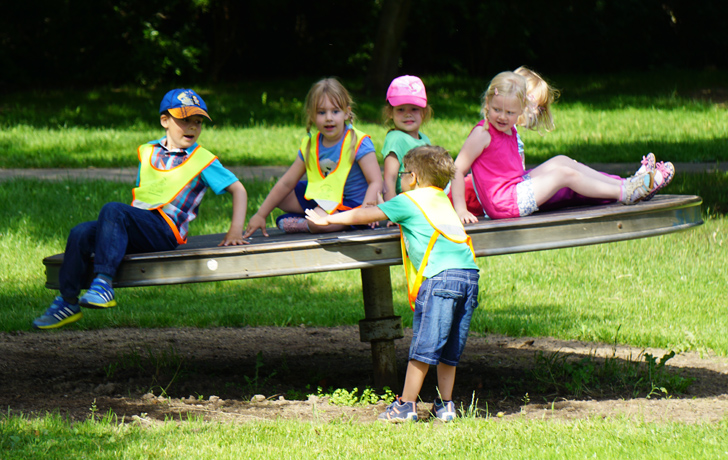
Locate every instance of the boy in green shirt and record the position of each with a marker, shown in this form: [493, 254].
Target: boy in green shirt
[442, 276]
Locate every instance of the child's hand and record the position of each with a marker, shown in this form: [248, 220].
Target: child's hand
[234, 239]
[316, 218]
[466, 217]
[256, 222]
[391, 224]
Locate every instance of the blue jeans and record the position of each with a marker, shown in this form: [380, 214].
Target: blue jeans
[120, 229]
[443, 310]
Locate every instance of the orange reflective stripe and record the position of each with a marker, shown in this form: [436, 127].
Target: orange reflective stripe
[413, 286]
[172, 225]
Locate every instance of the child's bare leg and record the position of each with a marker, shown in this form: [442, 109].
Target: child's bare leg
[562, 171]
[416, 372]
[445, 380]
[290, 204]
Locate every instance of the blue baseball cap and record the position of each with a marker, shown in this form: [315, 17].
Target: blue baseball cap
[183, 103]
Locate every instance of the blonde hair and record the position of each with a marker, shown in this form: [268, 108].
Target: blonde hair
[540, 95]
[505, 84]
[338, 95]
[432, 163]
[388, 114]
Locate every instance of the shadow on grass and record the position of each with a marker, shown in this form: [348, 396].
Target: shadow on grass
[280, 102]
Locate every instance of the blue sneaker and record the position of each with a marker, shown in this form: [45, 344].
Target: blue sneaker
[444, 410]
[399, 411]
[99, 295]
[58, 314]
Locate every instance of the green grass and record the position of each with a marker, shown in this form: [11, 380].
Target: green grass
[52, 437]
[658, 292]
[605, 118]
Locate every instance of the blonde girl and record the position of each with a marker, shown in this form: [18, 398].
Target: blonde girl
[339, 161]
[503, 187]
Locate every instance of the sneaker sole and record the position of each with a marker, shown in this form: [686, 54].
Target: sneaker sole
[69, 320]
[97, 306]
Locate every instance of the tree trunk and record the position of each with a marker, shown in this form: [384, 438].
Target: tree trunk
[226, 17]
[388, 45]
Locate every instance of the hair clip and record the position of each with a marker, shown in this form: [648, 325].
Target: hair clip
[495, 91]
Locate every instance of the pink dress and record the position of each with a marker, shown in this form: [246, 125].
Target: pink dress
[496, 172]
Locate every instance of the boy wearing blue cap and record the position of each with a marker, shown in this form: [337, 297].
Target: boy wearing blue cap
[174, 174]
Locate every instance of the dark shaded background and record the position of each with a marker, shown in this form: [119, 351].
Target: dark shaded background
[57, 43]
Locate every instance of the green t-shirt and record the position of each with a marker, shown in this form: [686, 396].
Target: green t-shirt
[417, 232]
[399, 143]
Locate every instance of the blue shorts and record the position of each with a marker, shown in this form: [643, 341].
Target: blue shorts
[443, 310]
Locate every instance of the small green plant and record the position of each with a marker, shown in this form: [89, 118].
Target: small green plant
[255, 383]
[344, 397]
[472, 410]
[588, 375]
[93, 410]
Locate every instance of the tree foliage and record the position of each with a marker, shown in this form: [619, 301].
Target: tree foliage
[145, 42]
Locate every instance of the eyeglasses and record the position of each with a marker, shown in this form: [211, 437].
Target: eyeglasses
[402, 173]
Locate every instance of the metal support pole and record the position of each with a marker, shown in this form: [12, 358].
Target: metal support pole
[380, 327]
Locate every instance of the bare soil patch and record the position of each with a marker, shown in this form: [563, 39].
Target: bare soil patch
[217, 373]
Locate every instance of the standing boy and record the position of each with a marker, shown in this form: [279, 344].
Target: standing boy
[174, 174]
[442, 277]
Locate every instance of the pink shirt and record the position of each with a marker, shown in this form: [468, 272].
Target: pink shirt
[496, 172]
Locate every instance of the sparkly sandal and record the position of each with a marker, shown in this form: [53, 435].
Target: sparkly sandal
[664, 172]
[292, 223]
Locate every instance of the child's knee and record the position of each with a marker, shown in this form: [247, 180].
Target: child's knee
[110, 210]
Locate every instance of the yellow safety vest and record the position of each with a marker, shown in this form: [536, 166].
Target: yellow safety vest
[437, 209]
[158, 187]
[328, 191]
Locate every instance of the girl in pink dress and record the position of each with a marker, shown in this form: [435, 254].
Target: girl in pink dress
[503, 187]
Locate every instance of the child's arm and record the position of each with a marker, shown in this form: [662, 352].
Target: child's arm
[358, 216]
[391, 169]
[478, 139]
[280, 191]
[370, 167]
[234, 236]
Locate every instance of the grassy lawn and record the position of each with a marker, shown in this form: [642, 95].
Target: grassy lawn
[664, 292]
[52, 437]
[599, 119]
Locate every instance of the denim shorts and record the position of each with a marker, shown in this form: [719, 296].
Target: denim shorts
[443, 310]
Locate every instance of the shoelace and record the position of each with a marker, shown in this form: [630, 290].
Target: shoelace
[664, 172]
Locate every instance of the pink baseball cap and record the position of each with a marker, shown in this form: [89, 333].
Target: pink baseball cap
[407, 89]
